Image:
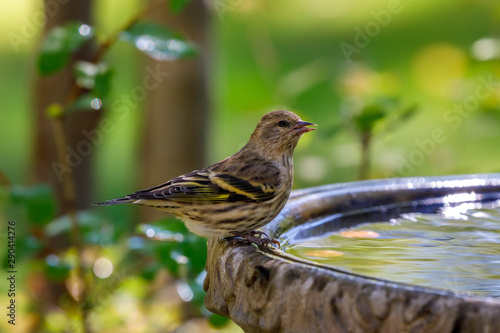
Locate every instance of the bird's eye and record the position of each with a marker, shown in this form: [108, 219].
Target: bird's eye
[283, 123]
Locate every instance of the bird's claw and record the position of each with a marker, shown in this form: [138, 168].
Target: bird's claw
[258, 238]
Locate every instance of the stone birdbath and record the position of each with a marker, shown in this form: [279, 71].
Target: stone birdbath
[268, 290]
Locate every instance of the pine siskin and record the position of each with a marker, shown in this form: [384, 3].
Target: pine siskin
[236, 196]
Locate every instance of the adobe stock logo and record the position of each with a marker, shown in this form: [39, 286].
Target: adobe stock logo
[363, 36]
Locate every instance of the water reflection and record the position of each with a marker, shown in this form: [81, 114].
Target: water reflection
[457, 249]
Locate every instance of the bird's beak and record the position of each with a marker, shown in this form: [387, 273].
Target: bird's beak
[301, 128]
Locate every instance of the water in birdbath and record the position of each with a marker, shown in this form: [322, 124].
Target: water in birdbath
[457, 249]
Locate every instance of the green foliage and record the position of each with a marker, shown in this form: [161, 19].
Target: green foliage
[175, 248]
[60, 43]
[56, 269]
[94, 77]
[368, 117]
[181, 252]
[64, 251]
[27, 246]
[177, 6]
[31, 208]
[158, 42]
[87, 102]
[38, 202]
[91, 225]
[377, 115]
[217, 321]
[381, 115]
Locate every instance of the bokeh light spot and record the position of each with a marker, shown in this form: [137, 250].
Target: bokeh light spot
[150, 232]
[84, 30]
[486, 49]
[103, 268]
[96, 104]
[184, 291]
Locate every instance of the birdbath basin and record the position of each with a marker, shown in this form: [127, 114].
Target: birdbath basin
[266, 290]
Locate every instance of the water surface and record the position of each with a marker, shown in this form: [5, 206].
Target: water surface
[456, 249]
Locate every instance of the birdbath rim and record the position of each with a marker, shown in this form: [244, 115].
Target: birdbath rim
[258, 287]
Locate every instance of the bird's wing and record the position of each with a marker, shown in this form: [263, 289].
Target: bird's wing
[211, 186]
[191, 187]
[244, 189]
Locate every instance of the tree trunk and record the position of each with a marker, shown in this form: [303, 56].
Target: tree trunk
[175, 133]
[53, 89]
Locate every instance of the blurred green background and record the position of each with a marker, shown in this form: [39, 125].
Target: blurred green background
[426, 75]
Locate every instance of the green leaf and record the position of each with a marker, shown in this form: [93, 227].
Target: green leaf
[175, 244]
[56, 269]
[85, 73]
[60, 43]
[96, 78]
[92, 227]
[38, 200]
[27, 246]
[170, 230]
[217, 321]
[365, 121]
[149, 272]
[102, 83]
[86, 102]
[177, 6]
[158, 42]
[196, 287]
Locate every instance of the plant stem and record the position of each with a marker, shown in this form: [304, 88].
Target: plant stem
[364, 167]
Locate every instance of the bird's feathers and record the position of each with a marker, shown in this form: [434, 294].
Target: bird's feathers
[207, 186]
[247, 190]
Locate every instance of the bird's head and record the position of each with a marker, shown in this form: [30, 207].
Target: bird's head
[278, 133]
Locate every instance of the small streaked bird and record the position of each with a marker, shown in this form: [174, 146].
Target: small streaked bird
[236, 196]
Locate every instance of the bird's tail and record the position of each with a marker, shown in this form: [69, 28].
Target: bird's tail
[116, 201]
